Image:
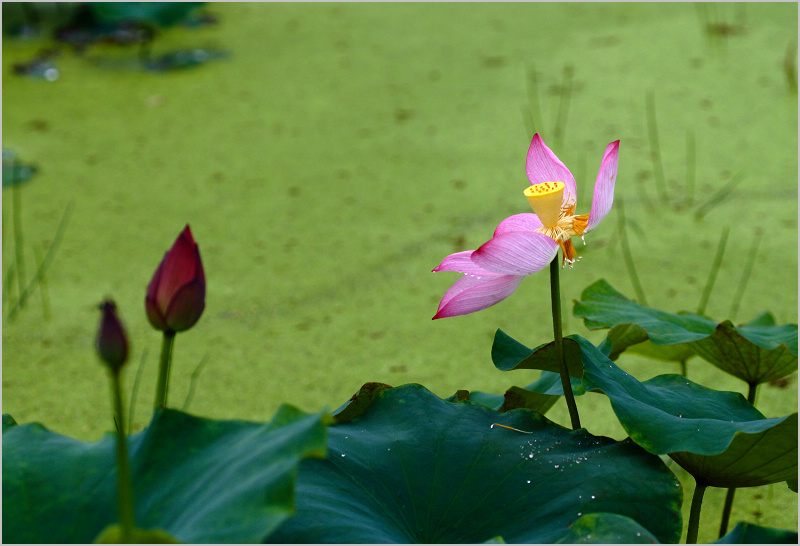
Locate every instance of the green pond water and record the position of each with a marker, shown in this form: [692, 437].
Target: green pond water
[343, 150]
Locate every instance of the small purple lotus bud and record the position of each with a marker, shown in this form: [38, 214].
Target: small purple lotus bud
[112, 343]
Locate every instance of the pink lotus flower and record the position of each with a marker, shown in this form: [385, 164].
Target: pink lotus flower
[176, 295]
[526, 243]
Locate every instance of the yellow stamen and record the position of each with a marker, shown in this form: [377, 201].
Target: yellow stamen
[579, 224]
[545, 198]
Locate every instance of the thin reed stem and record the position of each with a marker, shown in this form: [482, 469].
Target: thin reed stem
[560, 129]
[16, 202]
[135, 391]
[193, 381]
[748, 270]
[691, 167]
[626, 253]
[534, 107]
[44, 294]
[48, 259]
[555, 298]
[655, 147]
[721, 195]
[712, 275]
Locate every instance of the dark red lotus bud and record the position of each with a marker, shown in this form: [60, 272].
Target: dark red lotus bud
[176, 295]
[112, 343]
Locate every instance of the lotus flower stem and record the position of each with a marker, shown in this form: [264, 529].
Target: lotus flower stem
[694, 514]
[555, 296]
[163, 369]
[124, 487]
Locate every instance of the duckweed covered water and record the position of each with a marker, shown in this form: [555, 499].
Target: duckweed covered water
[342, 150]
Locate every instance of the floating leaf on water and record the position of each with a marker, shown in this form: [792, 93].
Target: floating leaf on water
[420, 469]
[14, 172]
[184, 58]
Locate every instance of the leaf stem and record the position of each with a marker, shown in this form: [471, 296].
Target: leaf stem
[124, 487]
[163, 369]
[694, 514]
[555, 297]
[728, 506]
[726, 511]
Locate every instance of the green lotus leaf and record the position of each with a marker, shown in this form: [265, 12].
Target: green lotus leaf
[360, 401]
[601, 306]
[196, 479]
[731, 351]
[533, 397]
[509, 354]
[748, 533]
[757, 352]
[755, 459]
[599, 528]
[668, 353]
[416, 468]
[731, 443]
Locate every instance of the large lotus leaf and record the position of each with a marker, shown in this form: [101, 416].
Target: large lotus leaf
[509, 354]
[415, 468]
[601, 306]
[668, 353]
[198, 480]
[599, 528]
[748, 533]
[670, 414]
[756, 352]
[729, 350]
[762, 458]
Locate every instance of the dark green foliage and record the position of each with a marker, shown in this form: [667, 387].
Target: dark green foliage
[415, 468]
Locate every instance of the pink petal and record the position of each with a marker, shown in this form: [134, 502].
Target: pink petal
[527, 221]
[603, 195]
[462, 262]
[186, 306]
[516, 253]
[542, 165]
[181, 265]
[469, 294]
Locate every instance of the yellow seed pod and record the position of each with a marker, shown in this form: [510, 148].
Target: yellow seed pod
[545, 198]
